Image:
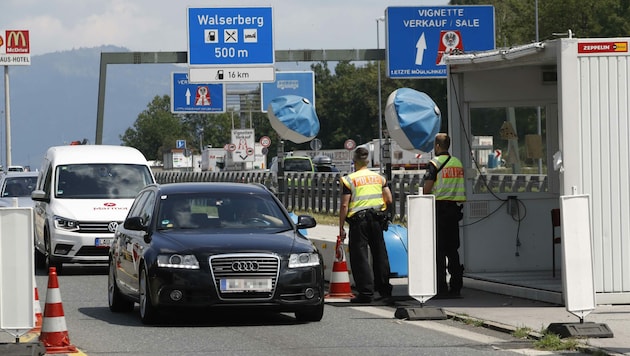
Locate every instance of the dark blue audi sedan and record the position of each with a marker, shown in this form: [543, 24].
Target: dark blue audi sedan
[207, 245]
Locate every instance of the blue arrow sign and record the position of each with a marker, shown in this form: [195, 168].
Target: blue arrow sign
[230, 36]
[418, 37]
[288, 83]
[195, 98]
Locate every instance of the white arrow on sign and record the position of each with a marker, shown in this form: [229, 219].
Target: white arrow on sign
[187, 96]
[421, 45]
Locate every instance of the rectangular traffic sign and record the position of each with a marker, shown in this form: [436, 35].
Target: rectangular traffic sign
[419, 37]
[300, 83]
[226, 74]
[15, 48]
[230, 36]
[187, 97]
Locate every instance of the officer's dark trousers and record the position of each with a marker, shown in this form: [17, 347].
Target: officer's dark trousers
[364, 233]
[448, 216]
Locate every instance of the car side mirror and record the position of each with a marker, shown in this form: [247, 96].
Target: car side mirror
[135, 223]
[305, 222]
[40, 195]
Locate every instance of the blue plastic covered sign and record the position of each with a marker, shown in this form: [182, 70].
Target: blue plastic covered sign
[413, 119]
[294, 118]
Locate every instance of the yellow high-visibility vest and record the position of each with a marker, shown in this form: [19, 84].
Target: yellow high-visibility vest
[367, 191]
[449, 183]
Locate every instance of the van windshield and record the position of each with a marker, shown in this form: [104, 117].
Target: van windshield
[101, 181]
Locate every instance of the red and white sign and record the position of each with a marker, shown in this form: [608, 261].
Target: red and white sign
[349, 144]
[602, 47]
[450, 42]
[15, 47]
[229, 147]
[265, 141]
[202, 97]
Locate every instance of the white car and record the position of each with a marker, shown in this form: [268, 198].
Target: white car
[17, 186]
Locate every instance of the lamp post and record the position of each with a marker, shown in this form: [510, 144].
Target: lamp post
[380, 110]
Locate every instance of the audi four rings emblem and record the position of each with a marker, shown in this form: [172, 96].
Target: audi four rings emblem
[112, 226]
[245, 266]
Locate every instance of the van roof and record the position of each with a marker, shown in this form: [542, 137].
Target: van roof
[95, 154]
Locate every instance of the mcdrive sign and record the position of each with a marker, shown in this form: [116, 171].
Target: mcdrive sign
[15, 47]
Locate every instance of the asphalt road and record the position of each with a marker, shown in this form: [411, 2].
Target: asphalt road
[344, 330]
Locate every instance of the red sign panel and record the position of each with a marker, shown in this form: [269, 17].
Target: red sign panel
[602, 47]
[17, 42]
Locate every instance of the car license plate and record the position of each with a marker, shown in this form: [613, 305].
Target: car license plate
[101, 242]
[246, 285]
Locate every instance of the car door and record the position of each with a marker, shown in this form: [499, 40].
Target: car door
[131, 242]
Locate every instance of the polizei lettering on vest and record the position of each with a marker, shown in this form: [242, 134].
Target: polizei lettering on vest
[365, 180]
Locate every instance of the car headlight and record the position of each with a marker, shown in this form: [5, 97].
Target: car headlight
[303, 260]
[66, 224]
[178, 261]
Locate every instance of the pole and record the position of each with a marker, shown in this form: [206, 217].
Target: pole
[380, 109]
[7, 116]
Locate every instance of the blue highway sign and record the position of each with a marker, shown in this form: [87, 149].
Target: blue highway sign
[288, 83]
[230, 36]
[418, 37]
[196, 98]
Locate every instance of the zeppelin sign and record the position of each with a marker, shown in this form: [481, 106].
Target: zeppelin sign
[15, 47]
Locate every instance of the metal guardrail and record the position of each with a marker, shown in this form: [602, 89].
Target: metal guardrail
[301, 191]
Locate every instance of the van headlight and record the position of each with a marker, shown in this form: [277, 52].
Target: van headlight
[66, 224]
[177, 261]
[303, 260]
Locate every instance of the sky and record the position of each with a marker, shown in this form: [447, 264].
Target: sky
[160, 25]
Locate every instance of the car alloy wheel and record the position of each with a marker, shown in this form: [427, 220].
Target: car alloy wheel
[148, 313]
[117, 303]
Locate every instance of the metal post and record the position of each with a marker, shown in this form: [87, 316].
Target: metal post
[7, 116]
[380, 110]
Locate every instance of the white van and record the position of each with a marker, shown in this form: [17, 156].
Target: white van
[83, 192]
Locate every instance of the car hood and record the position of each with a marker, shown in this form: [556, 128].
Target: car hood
[92, 209]
[279, 242]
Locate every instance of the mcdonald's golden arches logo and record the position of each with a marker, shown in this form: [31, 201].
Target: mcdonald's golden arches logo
[17, 41]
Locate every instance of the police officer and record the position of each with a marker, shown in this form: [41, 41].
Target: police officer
[445, 179]
[364, 202]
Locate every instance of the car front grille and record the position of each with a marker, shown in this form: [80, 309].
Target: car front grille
[94, 227]
[254, 266]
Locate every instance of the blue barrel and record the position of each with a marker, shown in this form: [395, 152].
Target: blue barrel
[396, 244]
[492, 161]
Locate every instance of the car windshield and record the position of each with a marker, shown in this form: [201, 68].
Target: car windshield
[101, 181]
[297, 165]
[219, 211]
[18, 186]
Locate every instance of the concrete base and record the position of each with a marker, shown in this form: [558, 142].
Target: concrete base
[22, 349]
[580, 330]
[421, 313]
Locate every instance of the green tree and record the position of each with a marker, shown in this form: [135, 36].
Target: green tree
[156, 129]
[515, 20]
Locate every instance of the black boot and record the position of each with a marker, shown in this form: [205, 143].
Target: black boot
[457, 280]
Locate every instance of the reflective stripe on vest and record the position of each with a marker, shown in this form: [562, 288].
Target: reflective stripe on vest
[449, 183]
[367, 191]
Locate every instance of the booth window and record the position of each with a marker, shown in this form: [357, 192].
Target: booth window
[509, 150]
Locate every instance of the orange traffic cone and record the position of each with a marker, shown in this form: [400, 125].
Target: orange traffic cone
[54, 334]
[37, 310]
[340, 279]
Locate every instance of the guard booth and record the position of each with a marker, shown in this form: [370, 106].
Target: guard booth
[558, 111]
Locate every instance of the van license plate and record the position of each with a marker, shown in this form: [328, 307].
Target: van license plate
[101, 242]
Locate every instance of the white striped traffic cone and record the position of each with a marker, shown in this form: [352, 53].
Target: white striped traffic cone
[37, 310]
[340, 279]
[54, 334]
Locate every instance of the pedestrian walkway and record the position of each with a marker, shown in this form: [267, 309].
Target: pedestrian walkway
[505, 312]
